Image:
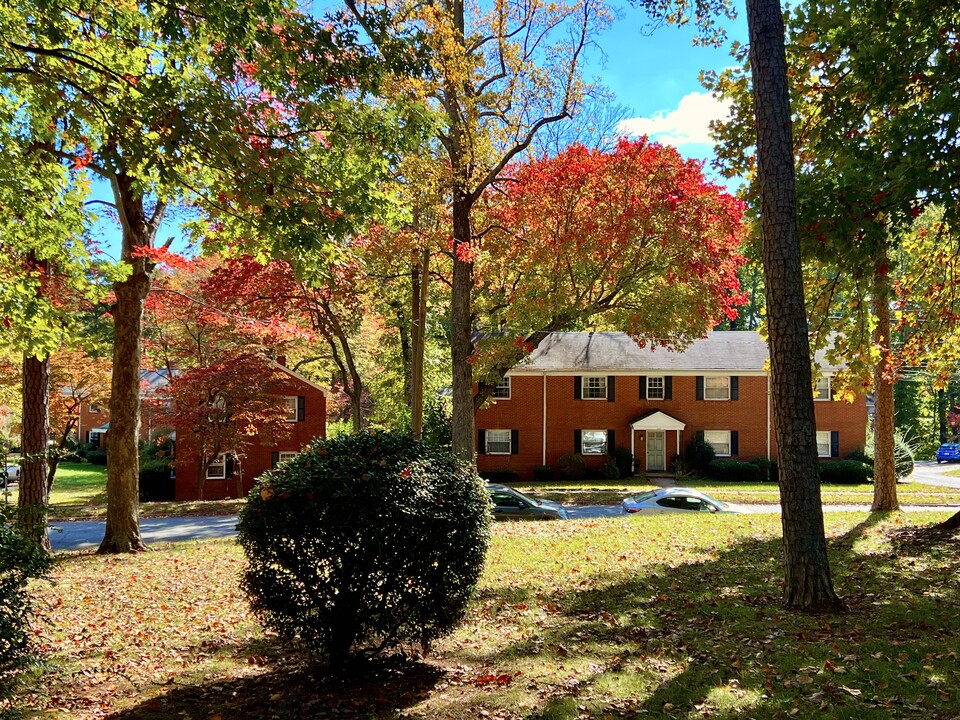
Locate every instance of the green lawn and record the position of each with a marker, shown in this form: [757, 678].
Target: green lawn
[627, 617]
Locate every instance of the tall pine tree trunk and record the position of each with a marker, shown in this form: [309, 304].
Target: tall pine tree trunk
[35, 429]
[421, 275]
[884, 461]
[461, 325]
[807, 581]
[122, 533]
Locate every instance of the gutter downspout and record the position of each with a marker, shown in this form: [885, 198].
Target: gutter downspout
[543, 441]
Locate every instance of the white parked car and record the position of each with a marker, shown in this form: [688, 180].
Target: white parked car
[675, 500]
[12, 472]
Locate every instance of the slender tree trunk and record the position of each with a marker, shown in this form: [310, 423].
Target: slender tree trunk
[461, 325]
[419, 338]
[807, 581]
[34, 498]
[122, 533]
[942, 415]
[884, 462]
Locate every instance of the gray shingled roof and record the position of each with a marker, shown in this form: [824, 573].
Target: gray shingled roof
[734, 351]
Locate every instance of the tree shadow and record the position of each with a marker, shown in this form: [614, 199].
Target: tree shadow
[290, 688]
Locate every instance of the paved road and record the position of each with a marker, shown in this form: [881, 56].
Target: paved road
[84, 535]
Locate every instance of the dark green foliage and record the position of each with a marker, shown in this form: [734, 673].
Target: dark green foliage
[20, 560]
[903, 453]
[156, 483]
[845, 472]
[364, 542]
[609, 470]
[860, 455]
[437, 427]
[624, 461]
[699, 456]
[726, 470]
[97, 457]
[769, 470]
[504, 477]
[571, 467]
[543, 473]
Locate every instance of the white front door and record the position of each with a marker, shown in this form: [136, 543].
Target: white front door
[656, 451]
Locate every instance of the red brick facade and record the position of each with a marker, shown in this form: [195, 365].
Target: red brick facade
[545, 431]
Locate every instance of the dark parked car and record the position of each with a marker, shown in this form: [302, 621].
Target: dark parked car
[948, 452]
[508, 504]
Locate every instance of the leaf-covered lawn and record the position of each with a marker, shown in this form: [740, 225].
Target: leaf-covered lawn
[615, 618]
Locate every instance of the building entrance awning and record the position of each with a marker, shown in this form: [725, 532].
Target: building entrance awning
[657, 420]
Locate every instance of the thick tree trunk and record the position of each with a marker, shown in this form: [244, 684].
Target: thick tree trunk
[951, 523]
[122, 533]
[884, 462]
[35, 429]
[461, 326]
[807, 581]
[418, 341]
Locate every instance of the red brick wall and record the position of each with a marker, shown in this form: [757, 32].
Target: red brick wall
[747, 415]
[257, 457]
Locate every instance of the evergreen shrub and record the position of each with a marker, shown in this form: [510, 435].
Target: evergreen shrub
[699, 456]
[845, 472]
[769, 470]
[364, 542]
[727, 470]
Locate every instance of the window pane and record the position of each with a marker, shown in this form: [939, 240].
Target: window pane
[284, 456]
[498, 442]
[823, 389]
[655, 388]
[217, 470]
[719, 440]
[716, 388]
[502, 391]
[291, 404]
[595, 387]
[823, 443]
[593, 442]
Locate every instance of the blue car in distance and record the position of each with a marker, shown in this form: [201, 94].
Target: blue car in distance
[948, 452]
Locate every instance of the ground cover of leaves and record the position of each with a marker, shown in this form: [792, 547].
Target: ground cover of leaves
[615, 618]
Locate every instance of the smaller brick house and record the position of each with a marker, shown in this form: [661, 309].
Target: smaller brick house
[587, 393]
[228, 477]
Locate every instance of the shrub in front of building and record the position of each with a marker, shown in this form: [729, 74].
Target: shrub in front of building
[845, 472]
[727, 470]
[363, 543]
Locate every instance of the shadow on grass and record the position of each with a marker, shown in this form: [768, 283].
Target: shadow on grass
[710, 638]
[290, 689]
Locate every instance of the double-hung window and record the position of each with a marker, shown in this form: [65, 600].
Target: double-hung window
[823, 443]
[719, 440]
[498, 442]
[290, 405]
[595, 387]
[502, 390]
[655, 387]
[593, 442]
[716, 388]
[217, 470]
[822, 391]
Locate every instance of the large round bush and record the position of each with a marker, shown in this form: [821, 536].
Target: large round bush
[364, 542]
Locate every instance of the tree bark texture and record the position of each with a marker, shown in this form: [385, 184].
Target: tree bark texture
[418, 339]
[884, 461]
[461, 325]
[807, 580]
[122, 533]
[35, 429]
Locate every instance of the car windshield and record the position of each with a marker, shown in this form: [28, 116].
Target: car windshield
[645, 496]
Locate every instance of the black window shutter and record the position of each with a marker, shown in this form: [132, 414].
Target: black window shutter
[699, 387]
[301, 408]
[700, 436]
[668, 387]
[833, 393]
[229, 466]
[274, 458]
[481, 442]
[734, 443]
[835, 443]
[514, 442]
[577, 387]
[611, 388]
[734, 388]
[577, 442]
[611, 441]
[643, 387]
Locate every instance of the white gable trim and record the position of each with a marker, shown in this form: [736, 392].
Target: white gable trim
[299, 377]
[658, 421]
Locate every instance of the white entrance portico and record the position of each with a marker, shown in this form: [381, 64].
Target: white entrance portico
[654, 426]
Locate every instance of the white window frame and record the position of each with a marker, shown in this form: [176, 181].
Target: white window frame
[603, 443]
[503, 390]
[714, 385]
[718, 442]
[822, 389]
[660, 390]
[824, 441]
[284, 455]
[593, 387]
[500, 438]
[293, 408]
[219, 461]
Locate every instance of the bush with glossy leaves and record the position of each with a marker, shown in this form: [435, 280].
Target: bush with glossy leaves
[363, 543]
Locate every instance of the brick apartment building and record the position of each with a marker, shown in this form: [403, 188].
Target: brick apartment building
[586, 393]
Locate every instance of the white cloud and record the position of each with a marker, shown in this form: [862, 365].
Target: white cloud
[687, 125]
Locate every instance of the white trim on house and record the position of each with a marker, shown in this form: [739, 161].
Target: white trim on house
[301, 378]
